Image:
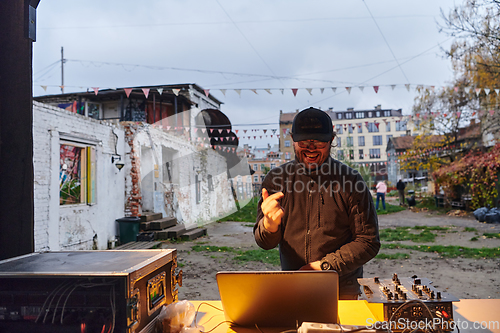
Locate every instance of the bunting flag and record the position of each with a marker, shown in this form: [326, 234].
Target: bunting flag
[268, 91]
[497, 91]
[407, 87]
[376, 89]
[282, 91]
[160, 91]
[392, 86]
[223, 91]
[348, 89]
[146, 92]
[334, 89]
[294, 91]
[207, 92]
[176, 91]
[238, 91]
[321, 90]
[96, 90]
[255, 91]
[128, 91]
[478, 91]
[44, 88]
[361, 88]
[62, 88]
[487, 91]
[309, 90]
[492, 112]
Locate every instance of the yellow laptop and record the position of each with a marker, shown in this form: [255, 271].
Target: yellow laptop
[279, 298]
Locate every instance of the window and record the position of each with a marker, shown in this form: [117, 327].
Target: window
[77, 174]
[348, 115]
[210, 183]
[377, 140]
[93, 110]
[262, 166]
[256, 167]
[389, 138]
[339, 142]
[273, 165]
[375, 153]
[369, 114]
[255, 178]
[400, 125]
[287, 143]
[361, 141]
[372, 128]
[350, 129]
[349, 141]
[361, 156]
[360, 129]
[340, 155]
[388, 126]
[339, 115]
[387, 113]
[339, 129]
[359, 115]
[262, 178]
[377, 113]
[351, 154]
[287, 156]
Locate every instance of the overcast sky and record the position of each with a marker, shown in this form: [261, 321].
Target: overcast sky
[223, 44]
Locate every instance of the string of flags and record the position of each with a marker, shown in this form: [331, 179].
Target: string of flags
[295, 91]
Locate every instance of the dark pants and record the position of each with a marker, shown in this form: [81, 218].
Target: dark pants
[379, 196]
[401, 197]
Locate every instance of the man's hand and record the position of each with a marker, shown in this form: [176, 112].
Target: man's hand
[272, 210]
[312, 266]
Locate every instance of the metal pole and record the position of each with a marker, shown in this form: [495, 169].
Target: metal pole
[62, 69]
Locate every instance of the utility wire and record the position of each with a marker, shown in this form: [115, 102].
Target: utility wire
[386, 42]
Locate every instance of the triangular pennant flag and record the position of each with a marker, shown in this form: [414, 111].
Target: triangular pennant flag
[458, 114]
[207, 92]
[211, 130]
[168, 128]
[223, 91]
[62, 88]
[294, 91]
[334, 89]
[127, 91]
[244, 131]
[361, 88]
[478, 91]
[497, 91]
[322, 89]
[255, 91]
[393, 86]
[96, 90]
[195, 130]
[203, 130]
[467, 89]
[487, 91]
[220, 131]
[268, 91]
[160, 90]
[455, 88]
[282, 91]
[236, 131]
[146, 92]
[44, 88]
[407, 87]
[491, 112]
[376, 89]
[309, 90]
[176, 91]
[348, 89]
[264, 131]
[238, 91]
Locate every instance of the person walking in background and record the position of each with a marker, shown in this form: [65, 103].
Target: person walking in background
[400, 186]
[381, 190]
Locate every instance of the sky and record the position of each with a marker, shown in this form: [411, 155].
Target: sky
[319, 47]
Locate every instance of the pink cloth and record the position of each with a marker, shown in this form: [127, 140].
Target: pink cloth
[381, 187]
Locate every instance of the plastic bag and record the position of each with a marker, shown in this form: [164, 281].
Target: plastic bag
[177, 318]
[480, 214]
[493, 216]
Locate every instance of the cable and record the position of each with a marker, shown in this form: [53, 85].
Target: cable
[46, 300]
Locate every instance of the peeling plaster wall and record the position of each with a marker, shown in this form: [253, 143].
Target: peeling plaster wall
[75, 226]
[161, 170]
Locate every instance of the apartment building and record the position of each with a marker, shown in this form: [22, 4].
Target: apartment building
[362, 136]
[261, 161]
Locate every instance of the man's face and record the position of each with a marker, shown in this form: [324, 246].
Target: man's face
[312, 153]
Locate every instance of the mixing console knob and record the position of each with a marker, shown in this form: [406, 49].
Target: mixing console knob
[396, 297]
[417, 281]
[419, 292]
[404, 296]
[432, 295]
[376, 280]
[389, 295]
[438, 296]
[394, 277]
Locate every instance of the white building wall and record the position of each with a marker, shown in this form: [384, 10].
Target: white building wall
[75, 226]
[177, 196]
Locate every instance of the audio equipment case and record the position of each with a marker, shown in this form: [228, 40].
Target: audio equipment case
[87, 291]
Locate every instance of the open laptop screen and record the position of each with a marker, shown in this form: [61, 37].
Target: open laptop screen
[279, 298]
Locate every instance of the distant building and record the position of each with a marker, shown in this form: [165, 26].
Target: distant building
[362, 136]
[261, 161]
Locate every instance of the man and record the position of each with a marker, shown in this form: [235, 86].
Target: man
[400, 186]
[319, 211]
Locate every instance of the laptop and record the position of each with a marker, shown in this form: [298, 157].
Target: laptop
[279, 298]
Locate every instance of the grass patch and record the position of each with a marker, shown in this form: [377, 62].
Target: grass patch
[468, 229]
[491, 235]
[388, 208]
[259, 255]
[249, 225]
[474, 239]
[393, 256]
[451, 251]
[248, 213]
[403, 233]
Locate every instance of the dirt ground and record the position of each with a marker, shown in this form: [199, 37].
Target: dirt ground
[462, 277]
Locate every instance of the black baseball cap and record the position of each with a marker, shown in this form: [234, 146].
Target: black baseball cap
[312, 124]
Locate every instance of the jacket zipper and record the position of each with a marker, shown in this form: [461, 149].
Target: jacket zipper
[320, 206]
[308, 235]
